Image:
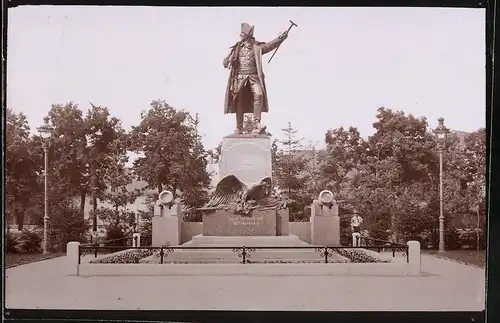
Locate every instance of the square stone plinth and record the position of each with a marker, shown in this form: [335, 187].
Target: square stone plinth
[325, 230]
[166, 230]
[225, 223]
[246, 156]
[282, 222]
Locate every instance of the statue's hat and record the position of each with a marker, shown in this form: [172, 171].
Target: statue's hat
[247, 29]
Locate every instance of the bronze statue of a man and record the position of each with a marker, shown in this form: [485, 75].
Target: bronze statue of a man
[246, 89]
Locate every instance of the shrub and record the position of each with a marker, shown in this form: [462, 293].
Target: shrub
[358, 256]
[11, 242]
[114, 232]
[29, 241]
[468, 237]
[345, 231]
[68, 225]
[452, 238]
[127, 257]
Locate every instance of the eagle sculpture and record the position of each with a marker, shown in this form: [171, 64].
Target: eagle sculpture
[232, 194]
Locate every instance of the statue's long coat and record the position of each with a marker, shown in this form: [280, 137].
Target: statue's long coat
[245, 96]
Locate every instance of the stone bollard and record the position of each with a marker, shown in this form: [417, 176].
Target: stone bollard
[136, 239]
[73, 256]
[414, 257]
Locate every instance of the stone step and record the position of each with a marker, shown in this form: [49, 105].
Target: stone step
[248, 241]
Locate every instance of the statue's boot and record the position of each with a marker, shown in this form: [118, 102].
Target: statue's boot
[259, 128]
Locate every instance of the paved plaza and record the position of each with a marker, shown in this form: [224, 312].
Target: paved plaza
[447, 285]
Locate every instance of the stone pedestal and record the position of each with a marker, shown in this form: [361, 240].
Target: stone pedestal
[246, 156]
[325, 225]
[283, 222]
[166, 230]
[167, 225]
[325, 230]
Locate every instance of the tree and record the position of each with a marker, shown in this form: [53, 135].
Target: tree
[475, 180]
[118, 220]
[290, 171]
[146, 217]
[197, 182]
[343, 152]
[81, 149]
[475, 165]
[106, 155]
[216, 153]
[67, 160]
[173, 157]
[23, 167]
[393, 167]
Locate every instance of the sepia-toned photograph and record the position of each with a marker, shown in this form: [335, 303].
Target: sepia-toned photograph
[245, 158]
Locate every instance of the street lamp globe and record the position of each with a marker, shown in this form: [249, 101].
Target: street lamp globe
[46, 129]
[441, 131]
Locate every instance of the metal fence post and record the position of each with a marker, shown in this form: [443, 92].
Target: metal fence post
[244, 254]
[95, 250]
[326, 254]
[393, 251]
[161, 255]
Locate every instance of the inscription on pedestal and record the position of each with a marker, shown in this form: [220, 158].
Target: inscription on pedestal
[224, 223]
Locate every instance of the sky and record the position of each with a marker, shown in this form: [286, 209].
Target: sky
[335, 69]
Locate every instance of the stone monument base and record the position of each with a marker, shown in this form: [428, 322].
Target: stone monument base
[256, 223]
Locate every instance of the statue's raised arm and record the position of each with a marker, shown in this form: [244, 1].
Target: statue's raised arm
[273, 44]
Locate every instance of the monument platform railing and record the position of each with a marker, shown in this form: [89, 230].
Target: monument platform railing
[244, 252]
[118, 244]
[381, 245]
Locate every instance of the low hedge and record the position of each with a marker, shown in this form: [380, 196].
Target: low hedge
[358, 256]
[126, 257]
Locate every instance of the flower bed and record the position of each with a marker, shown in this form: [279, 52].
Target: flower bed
[359, 256]
[134, 257]
[125, 257]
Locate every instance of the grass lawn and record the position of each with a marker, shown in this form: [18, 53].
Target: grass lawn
[473, 257]
[17, 259]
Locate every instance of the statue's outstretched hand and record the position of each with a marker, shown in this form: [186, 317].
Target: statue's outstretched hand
[283, 36]
[225, 62]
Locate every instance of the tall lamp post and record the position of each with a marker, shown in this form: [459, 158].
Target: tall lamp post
[441, 131]
[46, 132]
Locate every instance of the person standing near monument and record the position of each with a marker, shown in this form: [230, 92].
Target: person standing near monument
[246, 89]
[356, 222]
